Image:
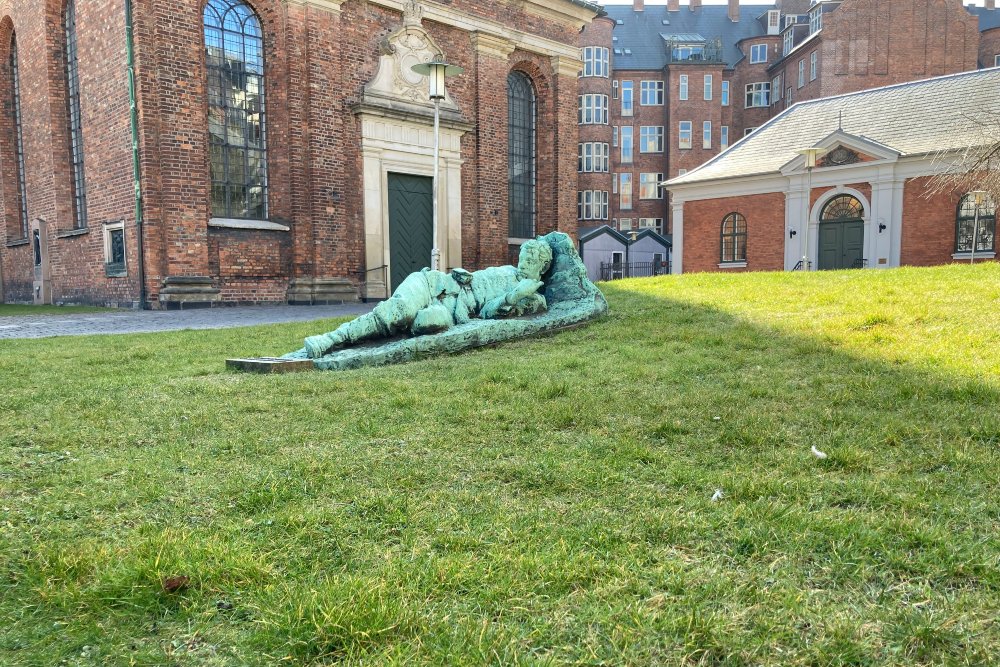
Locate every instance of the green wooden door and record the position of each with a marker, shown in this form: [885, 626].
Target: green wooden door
[410, 226]
[841, 245]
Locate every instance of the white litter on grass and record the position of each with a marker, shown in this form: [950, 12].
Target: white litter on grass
[818, 454]
[717, 496]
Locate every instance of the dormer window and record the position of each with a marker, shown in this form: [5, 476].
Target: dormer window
[688, 52]
[773, 22]
[816, 19]
[789, 41]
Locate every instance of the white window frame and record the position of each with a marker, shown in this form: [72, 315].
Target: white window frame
[996, 60]
[776, 89]
[682, 88]
[625, 224]
[596, 61]
[758, 95]
[626, 179]
[788, 41]
[651, 133]
[813, 65]
[789, 100]
[685, 128]
[802, 72]
[725, 93]
[593, 157]
[592, 205]
[709, 84]
[706, 134]
[724, 137]
[593, 110]
[747, 132]
[626, 139]
[755, 54]
[628, 98]
[816, 19]
[649, 180]
[651, 93]
[614, 89]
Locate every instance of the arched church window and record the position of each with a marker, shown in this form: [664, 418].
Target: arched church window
[974, 227]
[78, 183]
[521, 155]
[234, 56]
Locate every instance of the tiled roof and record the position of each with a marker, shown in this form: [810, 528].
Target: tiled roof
[911, 118]
[640, 31]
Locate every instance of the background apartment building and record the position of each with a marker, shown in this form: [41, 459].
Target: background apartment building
[664, 88]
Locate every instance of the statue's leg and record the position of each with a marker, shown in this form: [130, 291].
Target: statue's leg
[392, 316]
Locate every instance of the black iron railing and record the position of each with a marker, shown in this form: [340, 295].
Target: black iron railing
[620, 270]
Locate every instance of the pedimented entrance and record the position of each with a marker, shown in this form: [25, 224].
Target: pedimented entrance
[842, 234]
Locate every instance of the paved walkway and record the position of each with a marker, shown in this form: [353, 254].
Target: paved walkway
[139, 321]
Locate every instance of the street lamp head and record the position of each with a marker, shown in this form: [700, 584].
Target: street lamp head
[811, 155]
[437, 70]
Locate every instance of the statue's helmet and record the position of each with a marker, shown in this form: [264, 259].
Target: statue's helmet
[535, 259]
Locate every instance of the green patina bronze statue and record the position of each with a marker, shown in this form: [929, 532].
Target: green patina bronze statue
[433, 312]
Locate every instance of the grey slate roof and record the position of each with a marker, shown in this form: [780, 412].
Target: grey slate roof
[988, 19]
[641, 31]
[911, 118]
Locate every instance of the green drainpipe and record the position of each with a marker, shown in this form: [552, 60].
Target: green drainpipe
[136, 164]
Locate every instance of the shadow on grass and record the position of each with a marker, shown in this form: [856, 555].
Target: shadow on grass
[544, 501]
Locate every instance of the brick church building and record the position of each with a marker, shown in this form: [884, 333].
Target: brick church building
[667, 87]
[198, 152]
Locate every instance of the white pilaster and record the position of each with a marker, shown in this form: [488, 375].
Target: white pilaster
[677, 252]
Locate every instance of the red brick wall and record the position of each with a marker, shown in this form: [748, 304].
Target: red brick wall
[598, 33]
[317, 64]
[871, 43]
[746, 73]
[765, 215]
[989, 47]
[928, 224]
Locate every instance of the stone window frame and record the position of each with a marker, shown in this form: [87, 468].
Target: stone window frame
[74, 120]
[115, 269]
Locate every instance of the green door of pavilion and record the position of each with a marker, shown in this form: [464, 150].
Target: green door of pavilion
[410, 226]
[842, 234]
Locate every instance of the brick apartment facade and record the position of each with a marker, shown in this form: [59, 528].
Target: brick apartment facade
[768, 57]
[271, 138]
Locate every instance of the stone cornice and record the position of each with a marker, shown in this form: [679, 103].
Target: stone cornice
[491, 45]
[326, 5]
[564, 66]
[561, 11]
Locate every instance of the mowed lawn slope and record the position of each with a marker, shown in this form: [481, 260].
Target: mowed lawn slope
[543, 502]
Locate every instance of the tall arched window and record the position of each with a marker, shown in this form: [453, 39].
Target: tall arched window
[79, 184]
[234, 54]
[521, 155]
[15, 97]
[734, 238]
[982, 227]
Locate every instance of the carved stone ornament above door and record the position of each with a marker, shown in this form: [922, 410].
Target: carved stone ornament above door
[396, 87]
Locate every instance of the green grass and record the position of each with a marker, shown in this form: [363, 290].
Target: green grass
[18, 310]
[543, 502]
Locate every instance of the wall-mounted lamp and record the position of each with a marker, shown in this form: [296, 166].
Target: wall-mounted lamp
[792, 233]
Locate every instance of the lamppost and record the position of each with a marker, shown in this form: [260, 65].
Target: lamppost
[437, 70]
[978, 196]
[811, 155]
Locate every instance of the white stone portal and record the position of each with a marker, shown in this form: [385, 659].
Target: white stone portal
[397, 136]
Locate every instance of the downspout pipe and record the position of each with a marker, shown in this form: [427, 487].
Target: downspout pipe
[136, 161]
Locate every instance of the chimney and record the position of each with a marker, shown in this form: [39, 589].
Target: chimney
[673, 5]
[694, 4]
[991, 4]
[734, 11]
[638, 5]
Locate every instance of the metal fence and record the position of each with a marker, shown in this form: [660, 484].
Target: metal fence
[620, 270]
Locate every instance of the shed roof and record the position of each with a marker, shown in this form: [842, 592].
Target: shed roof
[913, 118]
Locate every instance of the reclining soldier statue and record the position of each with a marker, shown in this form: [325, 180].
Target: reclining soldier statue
[430, 302]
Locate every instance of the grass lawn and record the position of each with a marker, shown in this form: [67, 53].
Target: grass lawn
[16, 310]
[543, 502]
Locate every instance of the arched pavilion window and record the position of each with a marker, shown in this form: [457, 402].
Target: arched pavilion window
[79, 184]
[234, 54]
[15, 98]
[521, 155]
[734, 238]
[966, 227]
[843, 208]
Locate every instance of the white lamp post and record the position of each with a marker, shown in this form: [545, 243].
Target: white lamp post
[811, 155]
[437, 70]
[978, 196]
